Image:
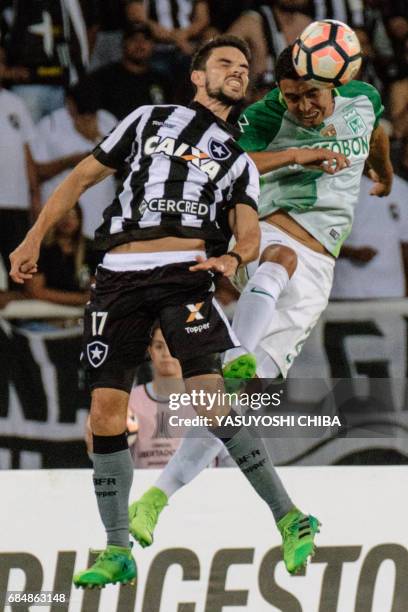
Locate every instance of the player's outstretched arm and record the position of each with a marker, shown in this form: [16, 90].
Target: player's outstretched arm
[87, 173]
[321, 159]
[379, 161]
[245, 227]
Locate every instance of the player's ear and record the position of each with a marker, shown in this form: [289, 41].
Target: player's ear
[198, 78]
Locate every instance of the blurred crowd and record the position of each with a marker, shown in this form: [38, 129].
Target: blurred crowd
[70, 70]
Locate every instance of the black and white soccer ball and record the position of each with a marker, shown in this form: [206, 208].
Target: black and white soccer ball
[327, 54]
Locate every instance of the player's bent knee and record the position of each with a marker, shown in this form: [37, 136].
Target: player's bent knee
[201, 365]
[281, 254]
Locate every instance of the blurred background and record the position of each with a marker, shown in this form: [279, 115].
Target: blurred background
[69, 72]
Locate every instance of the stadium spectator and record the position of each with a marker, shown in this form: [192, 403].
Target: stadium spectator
[395, 15]
[368, 71]
[123, 86]
[347, 11]
[178, 26]
[152, 440]
[373, 262]
[269, 28]
[65, 137]
[66, 265]
[399, 107]
[47, 48]
[175, 23]
[19, 195]
[223, 14]
[376, 23]
[108, 44]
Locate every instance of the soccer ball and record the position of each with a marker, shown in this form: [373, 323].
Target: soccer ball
[327, 54]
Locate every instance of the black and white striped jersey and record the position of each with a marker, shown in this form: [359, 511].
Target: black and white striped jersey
[183, 167]
[348, 11]
[171, 14]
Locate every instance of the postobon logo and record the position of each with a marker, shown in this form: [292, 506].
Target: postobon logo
[195, 314]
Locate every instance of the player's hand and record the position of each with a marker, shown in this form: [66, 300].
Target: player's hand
[321, 159]
[382, 187]
[24, 260]
[225, 265]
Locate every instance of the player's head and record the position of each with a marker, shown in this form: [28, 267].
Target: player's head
[309, 104]
[220, 69]
[164, 365]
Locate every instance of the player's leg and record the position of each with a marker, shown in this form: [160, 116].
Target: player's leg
[252, 457]
[257, 303]
[197, 450]
[296, 313]
[113, 476]
[187, 337]
[116, 335]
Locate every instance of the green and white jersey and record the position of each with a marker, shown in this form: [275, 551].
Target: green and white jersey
[321, 203]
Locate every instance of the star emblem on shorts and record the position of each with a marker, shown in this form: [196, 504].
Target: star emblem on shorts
[97, 352]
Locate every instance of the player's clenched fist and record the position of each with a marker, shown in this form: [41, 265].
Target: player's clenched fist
[24, 260]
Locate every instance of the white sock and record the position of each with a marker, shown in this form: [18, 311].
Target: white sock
[256, 307]
[197, 450]
[266, 367]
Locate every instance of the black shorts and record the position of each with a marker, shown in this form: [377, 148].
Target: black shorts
[123, 308]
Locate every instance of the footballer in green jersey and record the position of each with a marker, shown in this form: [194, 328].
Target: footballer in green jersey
[311, 147]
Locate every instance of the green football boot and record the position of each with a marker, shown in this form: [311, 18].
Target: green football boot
[242, 367]
[237, 371]
[144, 514]
[298, 532]
[114, 564]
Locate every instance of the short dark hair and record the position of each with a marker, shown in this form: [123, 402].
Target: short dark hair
[132, 29]
[156, 325]
[84, 97]
[202, 54]
[284, 68]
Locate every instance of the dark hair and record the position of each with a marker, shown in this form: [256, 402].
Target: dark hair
[284, 68]
[202, 54]
[78, 240]
[85, 97]
[153, 330]
[132, 29]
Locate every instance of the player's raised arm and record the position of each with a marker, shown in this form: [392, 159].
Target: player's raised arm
[86, 174]
[321, 159]
[379, 161]
[261, 122]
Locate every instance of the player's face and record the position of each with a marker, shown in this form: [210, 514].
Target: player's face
[163, 362]
[309, 104]
[227, 75]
